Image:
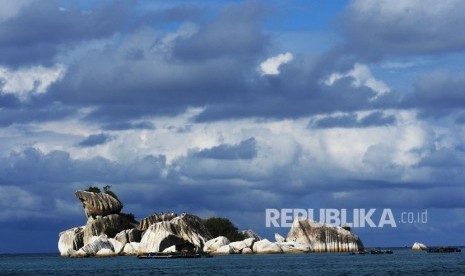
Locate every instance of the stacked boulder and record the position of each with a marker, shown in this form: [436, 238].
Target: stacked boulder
[108, 232]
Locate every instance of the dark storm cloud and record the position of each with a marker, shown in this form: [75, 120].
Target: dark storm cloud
[214, 67]
[244, 150]
[125, 125]
[95, 140]
[436, 95]
[296, 95]
[445, 157]
[352, 121]
[59, 167]
[236, 31]
[8, 101]
[415, 27]
[162, 82]
[32, 114]
[36, 34]
[440, 90]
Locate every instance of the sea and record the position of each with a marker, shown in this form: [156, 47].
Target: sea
[403, 261]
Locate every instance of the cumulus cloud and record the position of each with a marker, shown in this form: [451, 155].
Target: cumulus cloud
[271, 65]
[362, 76]
[29, 81]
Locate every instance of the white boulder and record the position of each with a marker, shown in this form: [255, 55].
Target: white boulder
[105, 252]
[419, 246]
[131, 248]
[117, 245]
[171, 249]
[213, 244]
[225, 249]
[279, 238]
[247, 250]
[266, 247]
[70, 241]
[238, 246]
[294, 247]
[94, 246]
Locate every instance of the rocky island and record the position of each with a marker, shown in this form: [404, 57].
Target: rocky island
[109, 232]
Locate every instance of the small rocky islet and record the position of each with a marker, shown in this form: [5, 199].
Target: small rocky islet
[109, 232]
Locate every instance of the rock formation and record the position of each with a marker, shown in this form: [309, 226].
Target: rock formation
[146, 222]
[419, 246]
[99, 204]
[323, 238]
[184, 231]
[102, 225]
[71, 240]
[108, 232]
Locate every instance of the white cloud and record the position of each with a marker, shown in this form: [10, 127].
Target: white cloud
[271, 65]
[362, 77]
[26, 81]
[11, 8]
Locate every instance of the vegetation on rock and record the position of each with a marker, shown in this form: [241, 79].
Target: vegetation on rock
[223, 227]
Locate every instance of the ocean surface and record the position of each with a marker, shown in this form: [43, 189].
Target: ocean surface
[402, 262]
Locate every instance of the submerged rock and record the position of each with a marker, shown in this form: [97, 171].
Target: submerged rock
[323, 238]
[99, 204]
[419, 246]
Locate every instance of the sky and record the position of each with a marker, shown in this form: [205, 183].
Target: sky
[227, 108]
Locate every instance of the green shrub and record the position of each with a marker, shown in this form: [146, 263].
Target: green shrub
[111, 232]
[223, 227]
[93, 189]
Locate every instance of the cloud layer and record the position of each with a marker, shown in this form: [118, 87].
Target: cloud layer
[205, 109]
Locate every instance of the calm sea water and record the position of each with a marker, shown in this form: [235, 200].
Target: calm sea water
[402, 262]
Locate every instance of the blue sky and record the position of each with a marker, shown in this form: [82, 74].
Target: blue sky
[226, 108]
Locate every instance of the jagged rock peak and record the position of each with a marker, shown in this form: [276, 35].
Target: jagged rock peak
[99, 204]
[146, 222]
